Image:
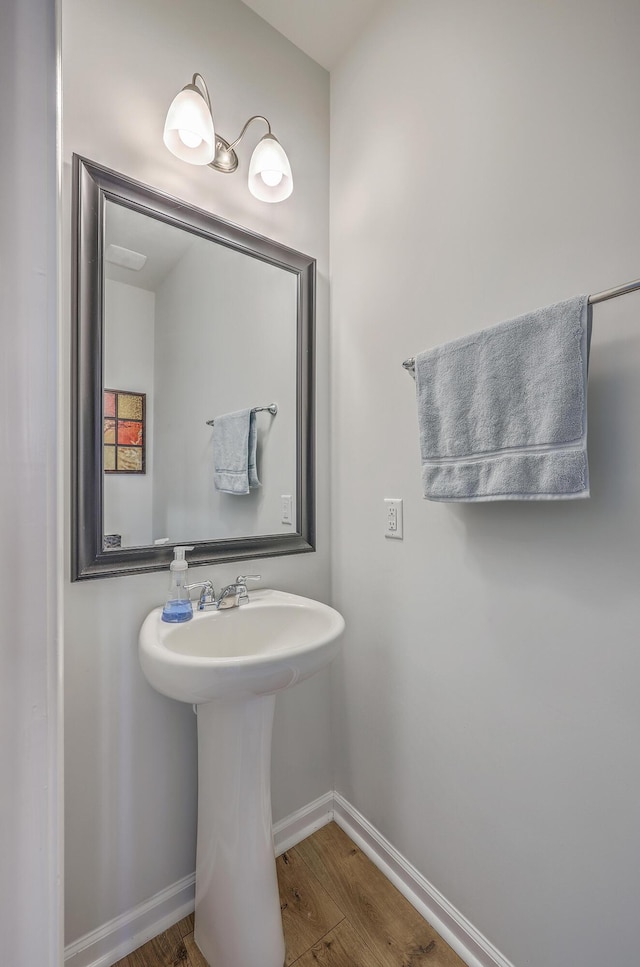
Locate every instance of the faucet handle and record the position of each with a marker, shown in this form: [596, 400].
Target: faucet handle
[242, 579]
[241, 585]
[207, 593]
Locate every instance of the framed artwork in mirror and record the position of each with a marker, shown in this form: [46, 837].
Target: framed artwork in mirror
[124, 431]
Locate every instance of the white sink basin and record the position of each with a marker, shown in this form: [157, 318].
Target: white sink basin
[274, 641]
[230, 664]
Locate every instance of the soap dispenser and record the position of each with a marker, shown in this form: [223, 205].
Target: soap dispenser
[178, 606]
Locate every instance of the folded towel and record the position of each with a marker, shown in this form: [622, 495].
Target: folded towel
[234, 452]
[503, 413]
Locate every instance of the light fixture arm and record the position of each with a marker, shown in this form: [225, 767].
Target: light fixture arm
[226, 160]
[194, 84]
[256, 117]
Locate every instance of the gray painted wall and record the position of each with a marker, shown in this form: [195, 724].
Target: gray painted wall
[30, 756]
[128, 365]
[225, 340]
[486, 704]
[130, 753]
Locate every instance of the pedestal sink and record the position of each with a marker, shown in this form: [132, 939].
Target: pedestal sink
[230, 664]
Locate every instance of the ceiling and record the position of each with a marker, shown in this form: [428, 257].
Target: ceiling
[162, 245]
[323, 29]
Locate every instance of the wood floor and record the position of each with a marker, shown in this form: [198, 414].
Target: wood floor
[338, 910]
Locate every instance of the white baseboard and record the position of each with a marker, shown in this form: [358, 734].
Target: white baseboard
[453, 927]
[119, 937]
[296, 827]
[124, 934]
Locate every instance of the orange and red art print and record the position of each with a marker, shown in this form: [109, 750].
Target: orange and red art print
[124, 431]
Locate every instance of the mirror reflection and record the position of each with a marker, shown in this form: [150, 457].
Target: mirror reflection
[194, 331]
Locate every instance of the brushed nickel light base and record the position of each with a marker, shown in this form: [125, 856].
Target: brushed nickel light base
[225, 160]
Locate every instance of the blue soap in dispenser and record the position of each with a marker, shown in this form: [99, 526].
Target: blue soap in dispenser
[178, 606]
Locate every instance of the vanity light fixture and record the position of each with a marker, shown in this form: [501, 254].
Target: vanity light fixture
[190, 135]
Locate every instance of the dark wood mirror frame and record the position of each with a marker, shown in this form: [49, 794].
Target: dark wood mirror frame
[93, 186]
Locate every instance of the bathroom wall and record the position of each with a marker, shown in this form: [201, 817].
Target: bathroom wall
[128, 365]
[235, 347]
[485, 161]
[30, 755]
[130, 753]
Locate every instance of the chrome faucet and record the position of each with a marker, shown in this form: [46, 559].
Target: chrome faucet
[230, 597]
[234, 594]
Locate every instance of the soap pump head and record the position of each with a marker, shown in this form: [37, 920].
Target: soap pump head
[178, 563]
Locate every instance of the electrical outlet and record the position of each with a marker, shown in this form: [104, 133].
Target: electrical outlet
[393, 517]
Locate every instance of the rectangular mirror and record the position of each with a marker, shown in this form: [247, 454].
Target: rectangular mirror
[182, 319]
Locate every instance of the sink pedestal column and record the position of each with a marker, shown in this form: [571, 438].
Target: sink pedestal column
[237, 920]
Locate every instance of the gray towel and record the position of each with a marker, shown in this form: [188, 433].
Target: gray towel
[234, 452]
[503, 413]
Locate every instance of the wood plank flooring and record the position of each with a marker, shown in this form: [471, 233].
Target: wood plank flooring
[338, 910]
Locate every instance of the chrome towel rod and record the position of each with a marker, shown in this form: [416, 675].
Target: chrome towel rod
[604, 296]
[272, 407]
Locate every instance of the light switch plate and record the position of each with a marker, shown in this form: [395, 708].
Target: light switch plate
[286, 509]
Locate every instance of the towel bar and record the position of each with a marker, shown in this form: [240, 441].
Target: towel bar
[604, 296]
[272, 407]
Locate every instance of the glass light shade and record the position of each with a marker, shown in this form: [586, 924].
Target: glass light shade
[270, 176]
[188, 130]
